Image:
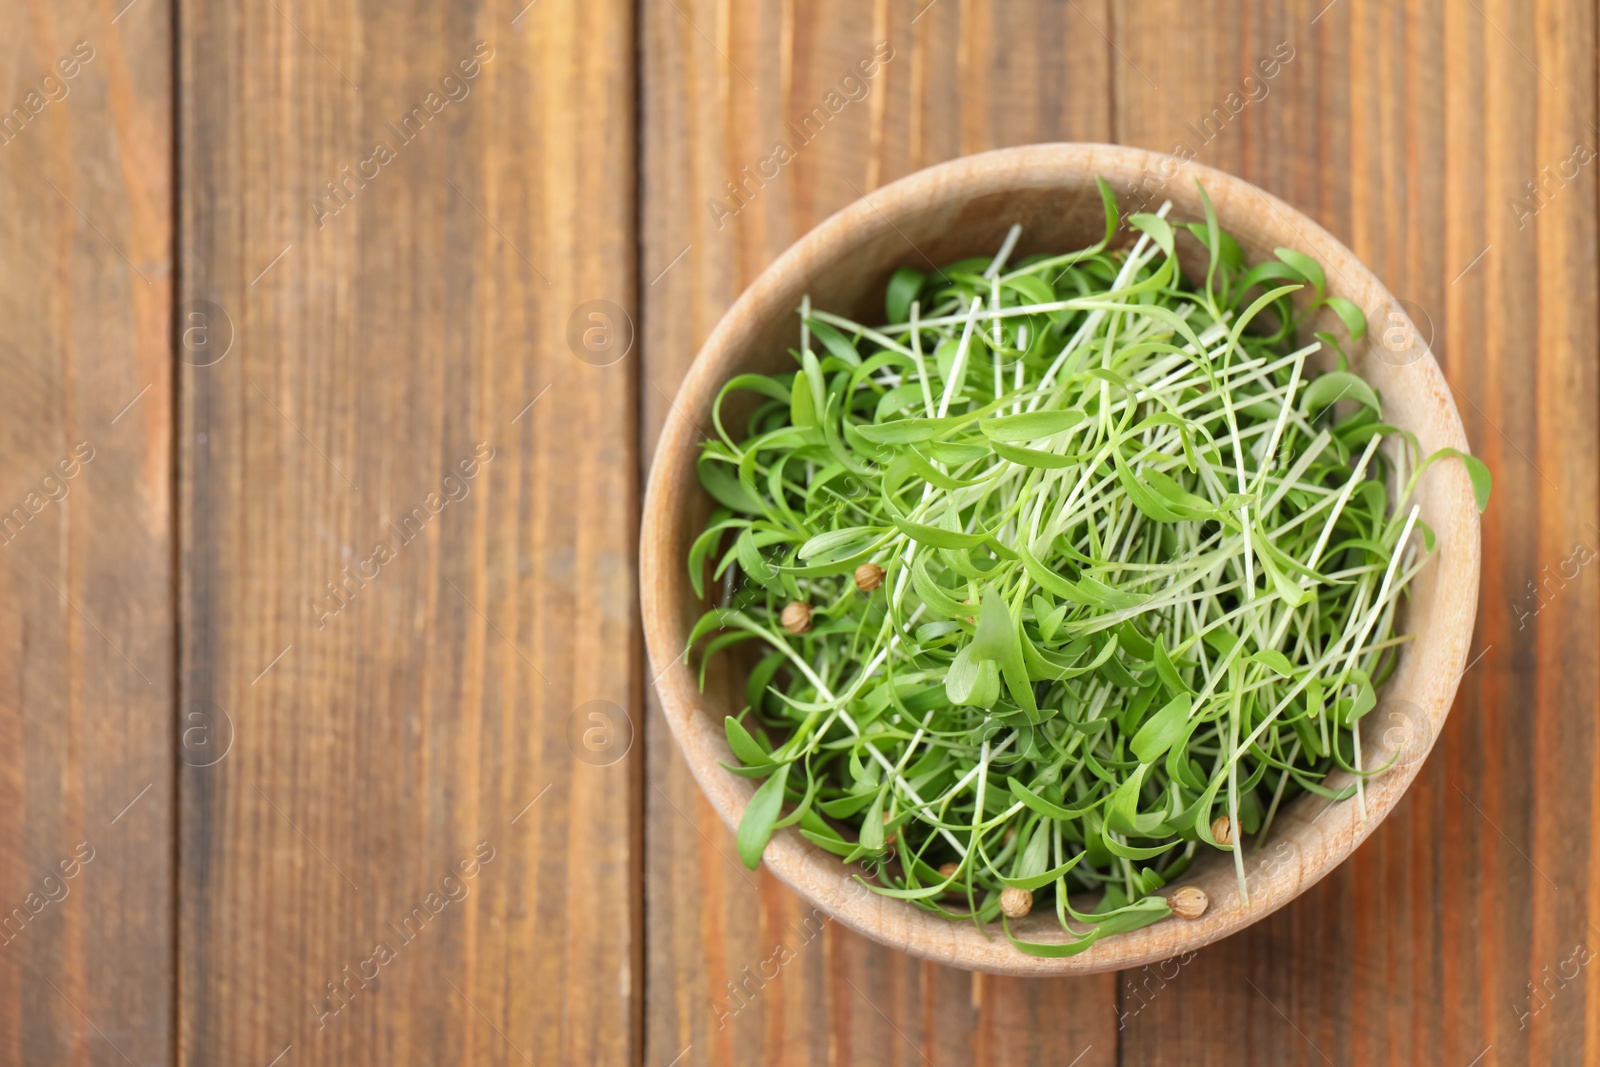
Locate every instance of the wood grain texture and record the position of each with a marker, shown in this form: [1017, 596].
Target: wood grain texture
[407, 535]
[375, 732]
[1410, 134]
[721, 86]
[86, 634]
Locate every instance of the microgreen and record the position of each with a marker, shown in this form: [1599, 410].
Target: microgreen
[1095, 568]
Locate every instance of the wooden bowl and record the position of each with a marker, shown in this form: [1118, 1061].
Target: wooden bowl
[965, 208]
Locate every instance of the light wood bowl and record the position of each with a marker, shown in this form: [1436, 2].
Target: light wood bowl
[965, 208]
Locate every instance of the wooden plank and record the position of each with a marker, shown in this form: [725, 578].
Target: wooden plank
[86, 637]
[738, 970]
[407, 511]
[1409, 133]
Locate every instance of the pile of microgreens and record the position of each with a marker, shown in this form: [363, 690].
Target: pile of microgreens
[1071, 569]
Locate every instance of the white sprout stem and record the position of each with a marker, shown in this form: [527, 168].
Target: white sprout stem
[1005, 252]
[1271, 450]
[922, 366]
[958, 370]
[1131, 266]
[1340, 644]
[1366, 628]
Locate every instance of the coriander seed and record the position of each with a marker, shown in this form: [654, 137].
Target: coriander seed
[1188, 902]
[868, 577]
[1015, 902]
[797, 617]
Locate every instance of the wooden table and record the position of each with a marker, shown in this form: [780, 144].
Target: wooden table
[325, 729]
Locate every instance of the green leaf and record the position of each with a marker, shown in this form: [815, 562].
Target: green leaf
[832, 842]
[802, 410]
[1162, 730]
[997, 639]
[745, 747]
[725, 487]
[905, 431]
[1044, 878]
[1166, 670]
[1133, 916]
[1213, 240]
[972, 681]
[1029, 426]
[755, 828]
[1335, 386]
[1032, 457]
[1035, 288]
[836, 343]
[753, 563]
[714, 531]
[761, 383]
[1178, 499]
[1306, 267]
[1031, 862]
[1477, 473]
[1048, 618]
[1269, 272]
[1050, 949]
[903, 289]
[1043, 806]
[1147, 501]
[962, 677]
[1108, 200]
[1271, 657]
[1158, 228]
[936, 596]
[834, 541]
[1136, 644]
[872, 825]
[1352, 317]
[847, 806]
[935, 537]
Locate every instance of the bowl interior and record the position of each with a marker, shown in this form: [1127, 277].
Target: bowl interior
[965, 208]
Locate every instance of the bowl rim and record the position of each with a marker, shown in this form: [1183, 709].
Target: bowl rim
[1430, 672]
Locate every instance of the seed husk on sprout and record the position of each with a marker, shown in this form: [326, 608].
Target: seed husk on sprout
[1188, 902]
[868, 577]
[1015, 903]
[797, 617]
